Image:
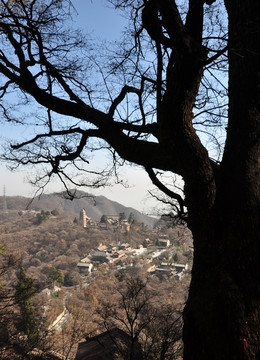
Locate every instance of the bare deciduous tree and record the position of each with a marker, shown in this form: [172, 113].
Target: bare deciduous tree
[150, 323]
[159, 93]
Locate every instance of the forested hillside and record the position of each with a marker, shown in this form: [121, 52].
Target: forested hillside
[95, 206]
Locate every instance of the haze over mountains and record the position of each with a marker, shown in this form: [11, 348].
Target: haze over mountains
[95, 206]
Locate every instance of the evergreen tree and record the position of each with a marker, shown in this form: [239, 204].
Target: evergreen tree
[2, 249]
[103, 219]
[56, 276]
[122, 216]
[24, 292]
[131, 218]
[42, 216]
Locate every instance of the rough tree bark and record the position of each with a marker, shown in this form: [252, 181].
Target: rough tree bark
[222, 318]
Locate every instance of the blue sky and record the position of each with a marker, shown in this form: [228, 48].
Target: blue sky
[99, 18]
[101, 21]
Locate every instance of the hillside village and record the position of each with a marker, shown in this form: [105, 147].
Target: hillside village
[121, 257]
[93, 259]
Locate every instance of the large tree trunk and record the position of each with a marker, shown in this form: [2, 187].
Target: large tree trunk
[222, 315]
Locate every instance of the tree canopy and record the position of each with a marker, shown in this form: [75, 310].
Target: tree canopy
[118, 99]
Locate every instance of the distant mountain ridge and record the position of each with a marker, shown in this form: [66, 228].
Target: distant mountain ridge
[95, 206]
